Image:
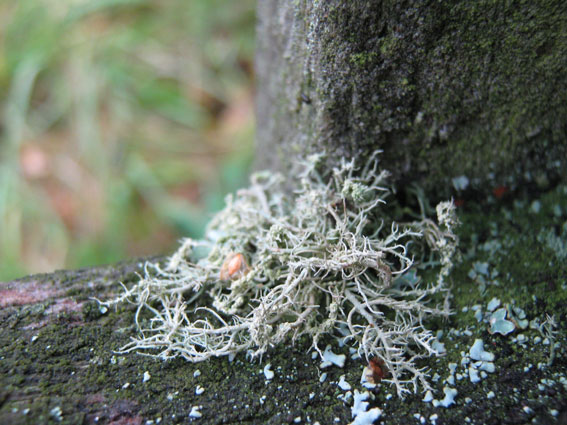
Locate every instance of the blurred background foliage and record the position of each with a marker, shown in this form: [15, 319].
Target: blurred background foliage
[123, 125]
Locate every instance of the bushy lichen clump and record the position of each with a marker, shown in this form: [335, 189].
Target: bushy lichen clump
[274, 266]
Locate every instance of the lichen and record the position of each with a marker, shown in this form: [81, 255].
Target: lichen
[328, 257]
[78, 373]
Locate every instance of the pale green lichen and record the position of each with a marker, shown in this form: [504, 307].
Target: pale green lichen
[328, 256]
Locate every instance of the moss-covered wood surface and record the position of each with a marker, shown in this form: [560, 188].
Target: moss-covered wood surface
[57, 363]
[445, 88]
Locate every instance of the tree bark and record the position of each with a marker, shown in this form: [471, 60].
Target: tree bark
[445, 89]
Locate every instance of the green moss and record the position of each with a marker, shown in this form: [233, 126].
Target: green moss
[363, 59]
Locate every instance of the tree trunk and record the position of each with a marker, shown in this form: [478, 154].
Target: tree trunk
[445, 89]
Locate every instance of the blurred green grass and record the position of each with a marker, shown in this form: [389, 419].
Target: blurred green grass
[123, 125]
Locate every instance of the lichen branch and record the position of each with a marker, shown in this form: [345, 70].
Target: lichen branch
[325, 257]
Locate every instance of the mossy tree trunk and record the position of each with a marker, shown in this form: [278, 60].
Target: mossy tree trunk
[444, 88]
[58, 363]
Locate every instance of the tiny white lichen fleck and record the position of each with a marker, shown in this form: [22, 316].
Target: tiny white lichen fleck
[474, 375]
[360, 404]
[477, 352]
[368, 417]
[450, 394]
[460, 183]
[493, 304]
[56, 413]
[267, 372]
[330, 358]
[343, 384]
[195, 412]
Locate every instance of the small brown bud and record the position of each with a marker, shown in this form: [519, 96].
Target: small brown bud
[234, 266]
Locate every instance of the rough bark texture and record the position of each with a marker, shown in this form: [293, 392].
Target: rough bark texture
[444, 88]
[58, 365]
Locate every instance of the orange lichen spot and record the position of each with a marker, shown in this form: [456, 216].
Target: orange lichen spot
[234, 266]
[500, 191]
[375, 371]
